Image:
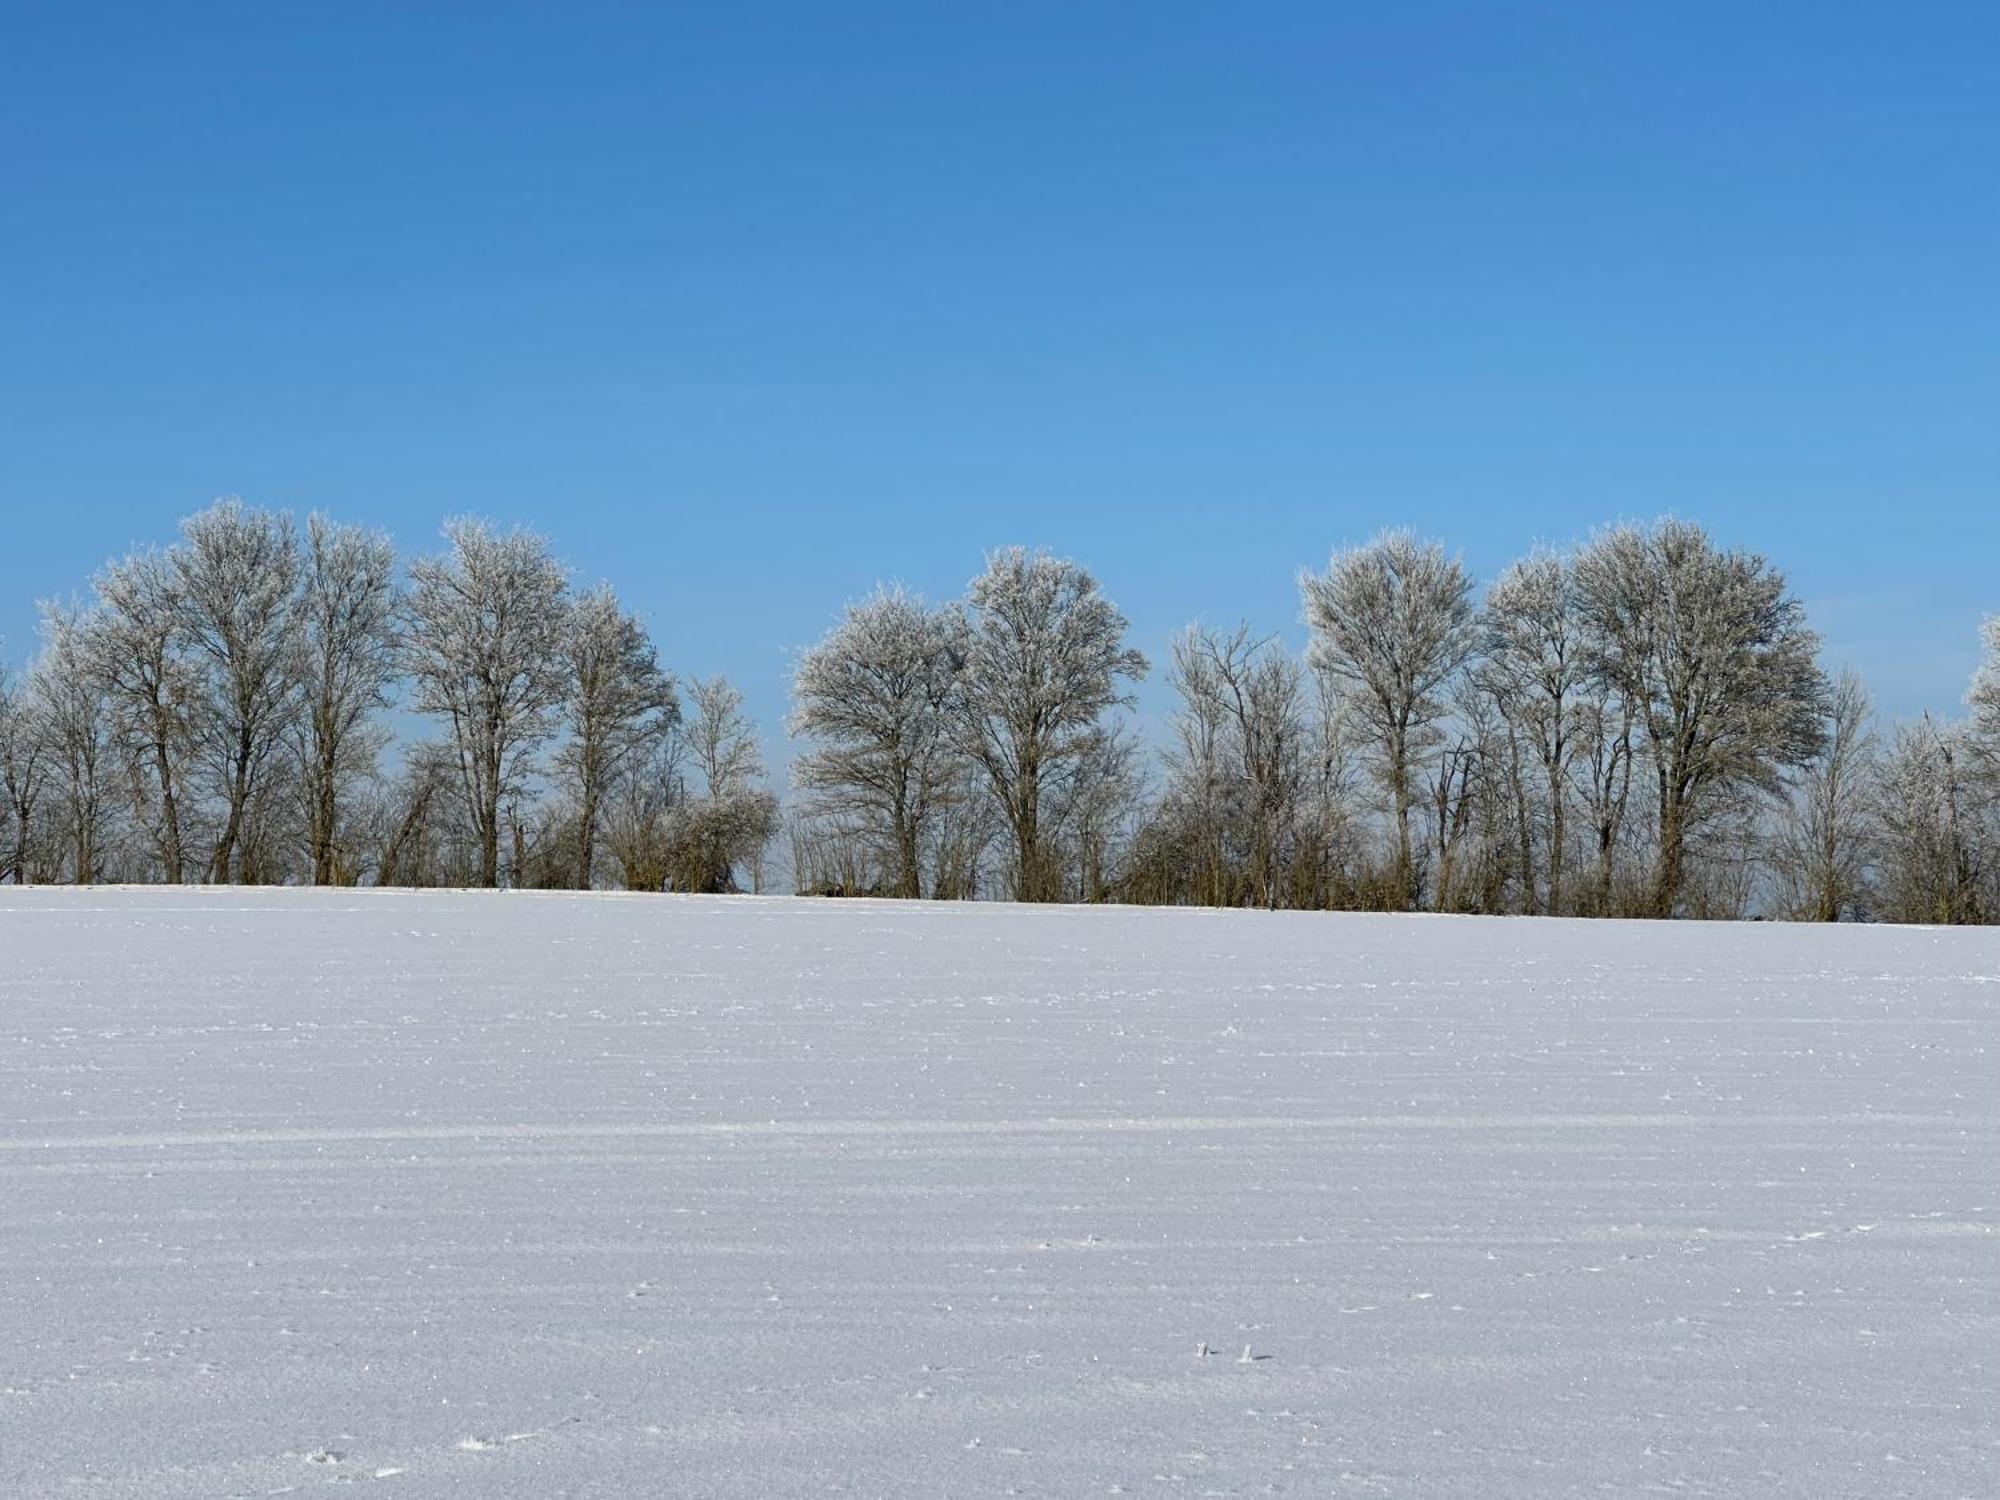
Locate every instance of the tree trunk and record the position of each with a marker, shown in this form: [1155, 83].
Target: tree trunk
[909, 871]
[1558, 833]
[1523, 831]
[486, 814]
[172, 856]
[232, 828]
[586, 835]
[324, 806]
[1669, 874]
[1028, 881]
[1405, 881]
[322, 834]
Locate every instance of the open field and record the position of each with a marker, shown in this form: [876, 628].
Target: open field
[622, 1196]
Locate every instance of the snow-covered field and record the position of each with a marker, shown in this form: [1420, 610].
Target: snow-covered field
[622, 1196]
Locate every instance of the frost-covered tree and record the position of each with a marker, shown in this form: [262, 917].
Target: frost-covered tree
[159, 709]
[640, 811]
[1095, 814]
[617, 704]
[1044, 659]
[963, 833]
[1716, 659]
[235, 580]
[1534, 669]
[1392, 625]
[1983, 733]
[1264, 689]
[1237, 767]
[829, 858]
[1601, 774]
[874, 698]
[345, 635]
[1936, 862]
[1463, 807]
[1193, 835]
[23, 772]
[1823, 847]
[220, 711]
[1938, 810]
[418, 826]
[484, 632]
[1326, 872]
[72, 714]
[728, 817]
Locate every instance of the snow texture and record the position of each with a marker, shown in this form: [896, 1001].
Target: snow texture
[521, 1195]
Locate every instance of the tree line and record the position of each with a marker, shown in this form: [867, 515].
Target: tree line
[220, 710]
[1637, 725]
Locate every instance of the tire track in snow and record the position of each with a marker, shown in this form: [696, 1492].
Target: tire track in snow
[914, 1129]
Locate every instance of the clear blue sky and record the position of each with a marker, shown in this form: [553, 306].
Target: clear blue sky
[749, 307]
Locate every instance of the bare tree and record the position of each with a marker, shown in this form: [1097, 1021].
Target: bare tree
[1718, 663]
[1823, 846]
[155, 691]
[1044, 655]
[874, 696]
[345, 638]
[483, 642]
[617, 703]
[235, 578]
[1392, 624]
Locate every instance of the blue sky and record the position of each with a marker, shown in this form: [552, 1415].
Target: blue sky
[749, 307]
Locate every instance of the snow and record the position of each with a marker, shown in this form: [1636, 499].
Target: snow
[522, 1195]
